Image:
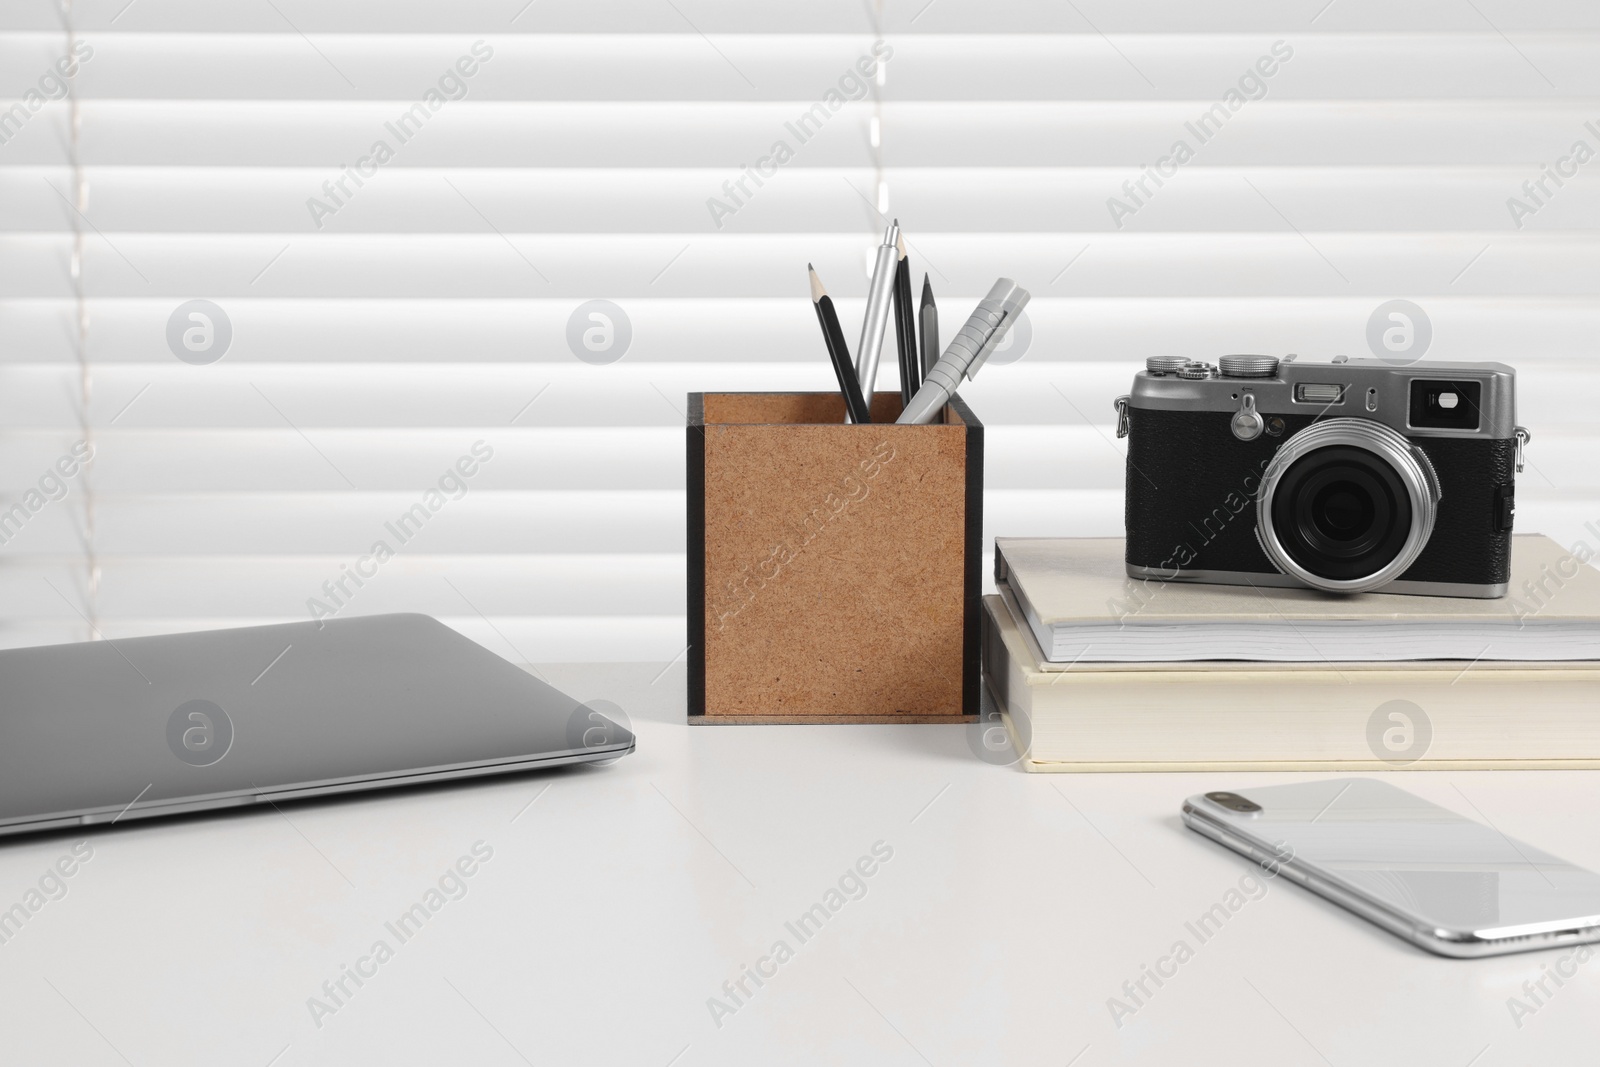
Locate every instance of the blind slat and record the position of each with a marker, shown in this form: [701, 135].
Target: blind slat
[733, 135]
[982, 200]
[821, 16]
[1212, 265]
[800, 69]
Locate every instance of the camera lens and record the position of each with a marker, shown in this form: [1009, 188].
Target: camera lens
[1342, 508]
[1342, 513]
[1234, 802]
[1346, 505]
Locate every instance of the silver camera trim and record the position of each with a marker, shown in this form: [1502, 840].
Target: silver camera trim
[1366, 382]
[1274, 580]
[1409, 462]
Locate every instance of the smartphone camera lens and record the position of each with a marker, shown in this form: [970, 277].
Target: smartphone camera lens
[1234, 802]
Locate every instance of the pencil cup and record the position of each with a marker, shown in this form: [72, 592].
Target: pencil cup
[833, 568]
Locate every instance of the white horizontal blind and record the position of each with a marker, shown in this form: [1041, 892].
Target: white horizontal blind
[386, 316]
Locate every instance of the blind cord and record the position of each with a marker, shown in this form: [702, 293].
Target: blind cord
[80, 201]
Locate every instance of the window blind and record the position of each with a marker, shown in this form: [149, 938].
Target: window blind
[316, 376]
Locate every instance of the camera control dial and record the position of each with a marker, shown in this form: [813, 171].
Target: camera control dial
[1248, 366]
[1165, 364]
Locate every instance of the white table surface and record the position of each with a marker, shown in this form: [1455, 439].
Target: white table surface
[619, 899]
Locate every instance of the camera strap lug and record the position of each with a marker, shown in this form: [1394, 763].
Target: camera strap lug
[1120, 404]
[1523, 438]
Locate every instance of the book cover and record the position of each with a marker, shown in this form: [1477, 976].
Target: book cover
[1433, 715]
[1076, 597]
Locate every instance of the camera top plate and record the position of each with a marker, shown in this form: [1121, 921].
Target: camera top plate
[1357, 387]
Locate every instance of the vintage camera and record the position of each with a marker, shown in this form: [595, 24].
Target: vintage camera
[1346, 475]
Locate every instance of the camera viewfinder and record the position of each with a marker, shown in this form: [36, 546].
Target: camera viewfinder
[1437, 405]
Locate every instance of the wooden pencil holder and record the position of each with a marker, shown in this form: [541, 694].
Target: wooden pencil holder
[833, 568]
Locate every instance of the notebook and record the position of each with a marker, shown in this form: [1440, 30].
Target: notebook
[1076, 598]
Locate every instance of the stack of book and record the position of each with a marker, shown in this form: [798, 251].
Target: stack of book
[1096, 671]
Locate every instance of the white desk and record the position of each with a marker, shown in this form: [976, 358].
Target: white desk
[1014, 906]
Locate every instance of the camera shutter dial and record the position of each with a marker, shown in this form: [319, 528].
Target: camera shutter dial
[1248, 366]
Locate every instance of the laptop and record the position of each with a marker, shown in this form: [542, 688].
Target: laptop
[110, 731]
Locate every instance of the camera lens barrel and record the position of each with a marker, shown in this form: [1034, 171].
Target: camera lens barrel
[1333, 501]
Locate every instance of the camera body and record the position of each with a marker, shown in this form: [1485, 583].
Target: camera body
[1347, 475]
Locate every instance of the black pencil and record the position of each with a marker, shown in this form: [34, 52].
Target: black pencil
[930, 328]
[905, 329]
[855, 404]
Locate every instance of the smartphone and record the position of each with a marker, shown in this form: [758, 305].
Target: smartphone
[1441, 881]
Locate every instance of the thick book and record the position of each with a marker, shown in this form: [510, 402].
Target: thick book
[1228, 715]
[1077, 599]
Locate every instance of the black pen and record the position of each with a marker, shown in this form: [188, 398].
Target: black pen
[855, 404]
[905, 327]
[930, 328]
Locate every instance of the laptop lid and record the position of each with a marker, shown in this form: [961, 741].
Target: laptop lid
[107, 731]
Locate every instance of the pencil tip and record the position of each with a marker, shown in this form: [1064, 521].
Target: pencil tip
[817, 291]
